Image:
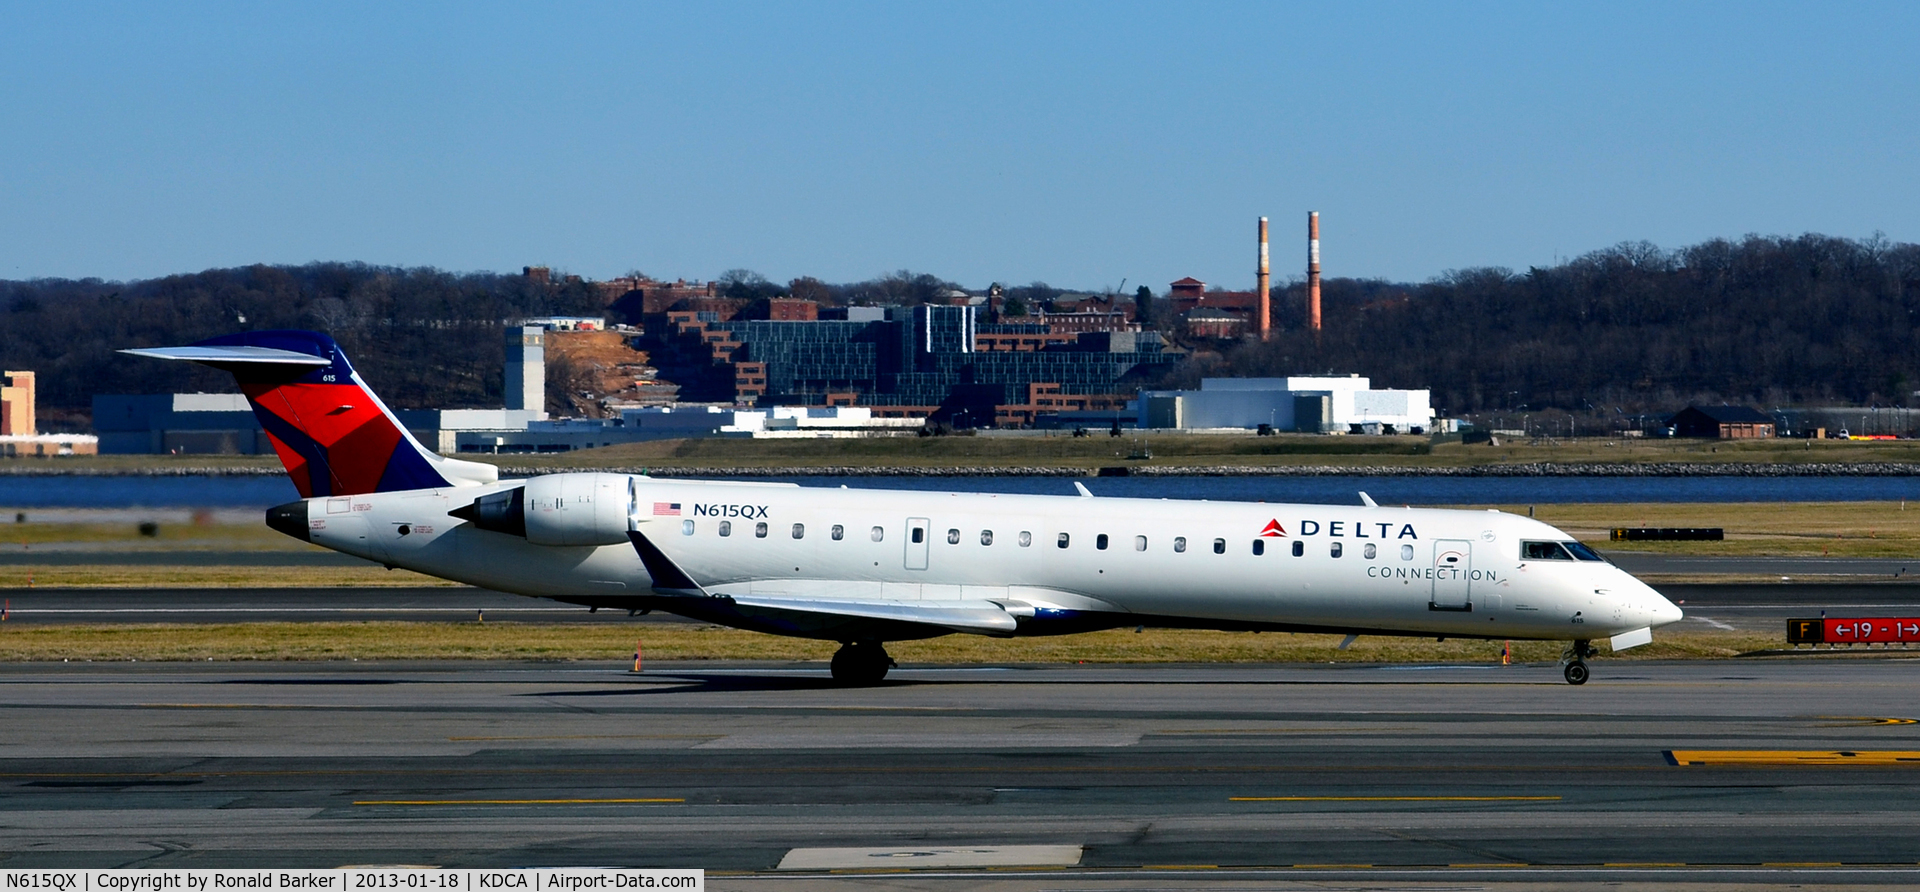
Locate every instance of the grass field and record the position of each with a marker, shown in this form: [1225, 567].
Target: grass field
[615, 640]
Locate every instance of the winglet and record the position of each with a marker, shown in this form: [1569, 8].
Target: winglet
[668, 578]
[1367, 500]
[1082, 487]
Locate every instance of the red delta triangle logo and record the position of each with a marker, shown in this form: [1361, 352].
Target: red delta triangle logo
[1274, 529]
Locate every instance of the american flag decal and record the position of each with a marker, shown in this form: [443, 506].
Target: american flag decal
[666, 508]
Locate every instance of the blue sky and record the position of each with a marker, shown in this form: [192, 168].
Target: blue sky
[1079, 144]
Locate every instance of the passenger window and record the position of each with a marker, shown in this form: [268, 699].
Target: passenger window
[878, 534]
[726, 528]
[1369, 552]
[1259, 546]
[953, 537]
[838, 532]
[1139, 543]
[686, 528]
[986, 537]
[1179, 544]
[919, 535]
[1336, 549]
[760, 530]
[799, 531]
[1543, 551]
[1100, 542]
[1063, 540]
[1406, 552]
[1299, 548]
[1026, 538]
[1219, 546]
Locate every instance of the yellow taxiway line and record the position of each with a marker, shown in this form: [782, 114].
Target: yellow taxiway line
[1794, 757]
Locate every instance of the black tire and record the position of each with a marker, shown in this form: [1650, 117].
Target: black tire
[1576, 672]
[856, 665]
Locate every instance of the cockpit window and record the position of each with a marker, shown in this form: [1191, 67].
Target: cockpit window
[1543, 551]
[1583, 552]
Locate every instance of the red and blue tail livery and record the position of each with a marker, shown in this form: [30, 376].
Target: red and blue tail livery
[331, 432]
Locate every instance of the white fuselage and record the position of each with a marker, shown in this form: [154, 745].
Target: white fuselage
[1397, 570]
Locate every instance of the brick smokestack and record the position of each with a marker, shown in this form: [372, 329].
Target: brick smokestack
[1263, 280]
[1313, 271]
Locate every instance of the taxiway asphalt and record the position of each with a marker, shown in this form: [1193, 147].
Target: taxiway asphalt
[1169, 775]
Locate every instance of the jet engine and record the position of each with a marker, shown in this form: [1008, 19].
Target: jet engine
[558, 509]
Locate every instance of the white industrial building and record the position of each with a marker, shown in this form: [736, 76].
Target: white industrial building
[1305, 404]
[662, 422]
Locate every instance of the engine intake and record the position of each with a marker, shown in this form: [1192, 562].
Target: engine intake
[502, 512]
[557, 509]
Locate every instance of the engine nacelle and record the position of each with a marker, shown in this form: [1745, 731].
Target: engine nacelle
[558, 509]
[578, 509]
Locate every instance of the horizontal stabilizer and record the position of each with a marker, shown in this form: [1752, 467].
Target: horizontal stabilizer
[231, 354]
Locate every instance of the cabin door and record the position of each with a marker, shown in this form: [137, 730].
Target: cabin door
[1452, 568]
[918, 534]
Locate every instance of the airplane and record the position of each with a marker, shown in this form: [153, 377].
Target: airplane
[866, 567]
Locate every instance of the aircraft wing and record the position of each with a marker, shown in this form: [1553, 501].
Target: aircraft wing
[977, 616]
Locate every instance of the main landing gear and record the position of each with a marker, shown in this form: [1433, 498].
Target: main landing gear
[1573, 663]
[861, 663]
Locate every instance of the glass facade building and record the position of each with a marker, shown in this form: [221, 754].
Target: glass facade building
[916, 356]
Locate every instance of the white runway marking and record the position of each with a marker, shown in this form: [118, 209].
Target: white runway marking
[989, 740]
[931, 856]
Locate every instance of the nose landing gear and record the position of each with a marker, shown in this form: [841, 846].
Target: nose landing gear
[861, 663]
[1573, 663]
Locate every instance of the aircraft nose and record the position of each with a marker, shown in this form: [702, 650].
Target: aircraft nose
[1663, 611]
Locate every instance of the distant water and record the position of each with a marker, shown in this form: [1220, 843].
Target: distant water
[262, 492]
[145, 492]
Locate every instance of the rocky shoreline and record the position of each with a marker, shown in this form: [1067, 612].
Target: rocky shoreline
[1528, 469]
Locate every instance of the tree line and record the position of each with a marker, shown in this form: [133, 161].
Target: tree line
[1771, 321]
[1768, 321]
[429, 338]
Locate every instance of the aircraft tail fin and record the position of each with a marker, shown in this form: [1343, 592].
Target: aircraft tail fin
[332, 433]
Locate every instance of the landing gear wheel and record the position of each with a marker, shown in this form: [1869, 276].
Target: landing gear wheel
[1576, 672]
[860, 664]
[1573, 663]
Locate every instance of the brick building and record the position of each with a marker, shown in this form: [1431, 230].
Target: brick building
[911, 361]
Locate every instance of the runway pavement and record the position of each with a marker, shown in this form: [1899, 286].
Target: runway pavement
[1167, 776]
[1766, 608]
[1638, 562]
